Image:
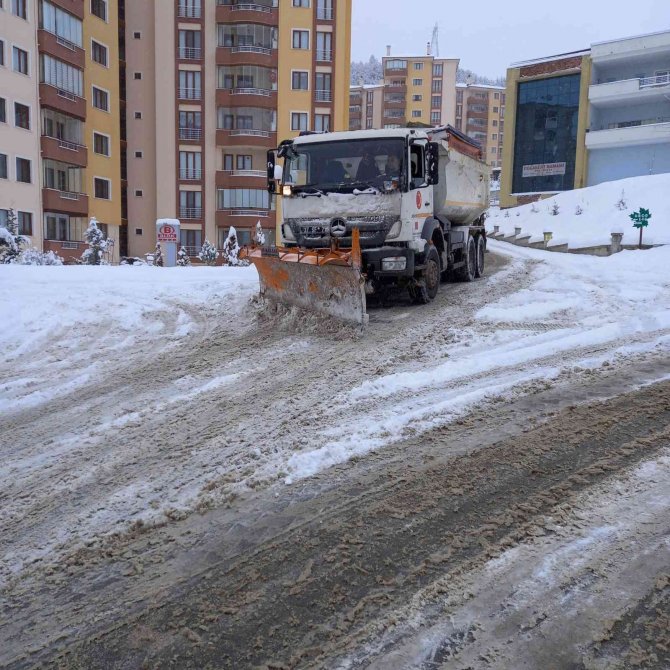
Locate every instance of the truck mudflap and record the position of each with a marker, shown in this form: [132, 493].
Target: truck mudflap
[324, 281]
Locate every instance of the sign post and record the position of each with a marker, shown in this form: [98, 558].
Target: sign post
[641, 221]
[167, 233]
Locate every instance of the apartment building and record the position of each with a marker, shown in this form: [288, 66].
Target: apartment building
[419, 89]
[366, 107]
[20, 118]
[210, 87]
[629, 108]
[480, 113]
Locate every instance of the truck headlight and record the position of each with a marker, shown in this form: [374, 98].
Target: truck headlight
[287, 233]
[394, 263]
[395, 230]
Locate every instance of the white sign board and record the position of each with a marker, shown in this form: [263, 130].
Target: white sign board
[543, 170]
[168, 234]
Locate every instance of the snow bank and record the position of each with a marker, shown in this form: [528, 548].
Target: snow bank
[602, 213]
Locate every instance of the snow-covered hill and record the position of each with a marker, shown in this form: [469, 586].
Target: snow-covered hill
[587, 217]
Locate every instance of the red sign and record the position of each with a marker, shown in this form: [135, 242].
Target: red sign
[167, 233]
[419, 200]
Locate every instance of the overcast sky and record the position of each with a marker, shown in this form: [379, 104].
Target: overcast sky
[488, 35]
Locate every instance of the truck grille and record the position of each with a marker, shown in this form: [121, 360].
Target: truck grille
[312, 232]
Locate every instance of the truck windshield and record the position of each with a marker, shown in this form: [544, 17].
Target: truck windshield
[344, 166]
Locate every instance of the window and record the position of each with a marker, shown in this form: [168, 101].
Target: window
[19, 8]
[299, 121]
[189, 85]
[301, 39]
[435, 118]
[138, 231]
[62, 176]
[102, 188]
[324, 47]
[99, 9]
[61, 23]
[494, 136]
[228, 162]
[242, 198]
[190, 125]
[322, 123]
[324, 86]
[2, 52]
[21, 116]
[494, 150]
[137, 75]
[20, 60]
[396, 64]
[138, 36]
[138, 115]
[437, 87]
[99, 53]
[23, 170]
[138, 154]
[495, 123]
[190, 44]
[3, 110]
[243, 162]
[138, 193]
[190, 165]
[3, 166]
[192, 240]
[100, 99]
[496, 96]
[190, 204]
[417, 82]
[25, 221]
[495, 110]
[436, 101]
[301, 3]
[300, 81]
[416, 113]
[417, 98]
[101, 144]
[418, 66]
[438, 69]
[61, 75]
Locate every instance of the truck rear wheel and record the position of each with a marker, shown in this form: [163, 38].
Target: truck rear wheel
[467, 272]
[481, 248]
[425, 292]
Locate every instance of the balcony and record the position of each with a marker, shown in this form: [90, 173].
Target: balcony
[248, 12]
[259, 174]
[190, 174]
[323, 96]
[69, 251]
[64, 202]
[74, 7]
[247, 137]
[263, 56]
[241, 179]
[62, 101]
[245, 218]
[324, 55]
[630, 91]
[190, 53]
[190, 134]
[190, 213]
[190, 93]
[324, 13]
[188, 12]
[631, 134]
[64, 151]
[60, 48]
[264, 98]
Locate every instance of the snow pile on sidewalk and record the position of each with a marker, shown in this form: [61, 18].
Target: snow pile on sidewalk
[587, 217]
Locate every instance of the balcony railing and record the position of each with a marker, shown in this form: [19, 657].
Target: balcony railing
[66, 43]
[324, 55]
[324, 13]
[190, 53]
[192, 251]
[66, 94]
[250, 7]
[260, 213]
[190, 212]
[189, 12]
[659, 80]
[267, 51]
[190, 133]
[252, 91]
[632, 124]
[355, 109]
[323, 96]
[247, 173]
[248, 132]
[190, 93]
[68, 195]
[190, 174]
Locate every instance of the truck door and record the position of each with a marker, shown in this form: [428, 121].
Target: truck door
[421, 205]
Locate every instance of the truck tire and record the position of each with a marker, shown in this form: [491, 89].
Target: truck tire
[481, 248]
[425, 292]
[468, 271]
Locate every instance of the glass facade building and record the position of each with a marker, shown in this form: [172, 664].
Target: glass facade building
[546, 134]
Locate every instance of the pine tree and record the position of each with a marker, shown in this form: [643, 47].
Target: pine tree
[208, 254]
[259, 235]
[182, 258]
[10, 240]
[231, 249]
[97, 244]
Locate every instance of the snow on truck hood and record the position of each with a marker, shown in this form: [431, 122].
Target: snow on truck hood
[342, 204]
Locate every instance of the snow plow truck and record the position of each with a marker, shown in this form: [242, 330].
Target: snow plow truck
[370, 212]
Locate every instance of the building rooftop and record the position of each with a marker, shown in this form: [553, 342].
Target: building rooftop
[548, 59]
[492, 86]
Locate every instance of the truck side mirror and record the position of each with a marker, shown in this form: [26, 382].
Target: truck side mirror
[273, 169]
[433, 157]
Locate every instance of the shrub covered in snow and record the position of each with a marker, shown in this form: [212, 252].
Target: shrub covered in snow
[534, 208]
[259, 235]
[554, 209]
[158, 255]
[621, 202]
[231, 248]
[97, 244]
[208, 254]
[578, 211]
[32, 256]
[182, 258]
[11, 242]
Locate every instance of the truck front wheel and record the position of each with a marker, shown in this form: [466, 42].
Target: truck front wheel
[425, 291]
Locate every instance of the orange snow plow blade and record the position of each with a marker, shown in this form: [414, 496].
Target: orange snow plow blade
[326, 281]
